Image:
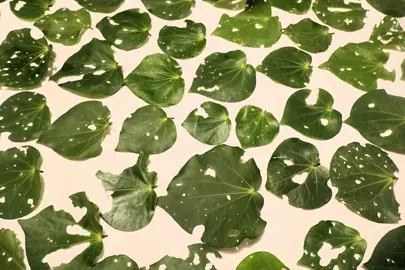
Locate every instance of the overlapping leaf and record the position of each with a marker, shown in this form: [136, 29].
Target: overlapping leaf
[170, 10]
[261, 260]
[30, 10]
[395, 8]
[292, 6]
[389, 34]
[12, 255]
[101, 6]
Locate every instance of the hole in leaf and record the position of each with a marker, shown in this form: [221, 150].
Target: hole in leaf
[201, 112]
[210, 172]
[300, 178]
[328, 253]
[312, 98]
[386, 133]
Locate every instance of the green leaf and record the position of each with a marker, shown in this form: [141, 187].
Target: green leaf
[395, 8]
[219, 191]
[255, 127]
[379, 117]
[157, 80]
[30, 10]
[12, 254]
[360, 65]
[340, 15]
[116, 262]
[389, 35]
[78, 133]
[309, 35]
[317, 121]
[292, 6]
[403, 70]
[25, 115]
[101, 6]
[288, 66]
[134, 198]
[261, 260]
[295, 158]
[228, 4]
[337, 235]
[365, 176]
[147, 130]
[225, 77]
[170, 10]
[24, 61]
[183, 43]
[47, 232]
[127, 30]
[253, 27]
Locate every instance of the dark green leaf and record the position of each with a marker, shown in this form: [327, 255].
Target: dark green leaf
[30, 10]
[12, 255]
[170, 10]
[119, 262]
[227, 4]
[261, 260]
[292, 6]
[101, 6]
[395, 8]
[389, 34]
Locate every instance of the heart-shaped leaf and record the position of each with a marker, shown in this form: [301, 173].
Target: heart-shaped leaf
[12, 254]
[116, 262]
[170, 10]
[261, 260]
[292, 6]
[395, 8]
[389, 34]
[219, 191]
[101, 6]
[30, 10]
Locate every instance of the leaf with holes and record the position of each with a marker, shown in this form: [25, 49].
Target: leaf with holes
[147, 130]
[389, 35]
[78, 133]
[157, 80]
[292, 6]
[127, 30]
[395, 8]
[12, 254]
[228, 4]
[24, 61]
[217, 190]
[101, 6]
[170, 10]
[116, 262]
[288, 66]
[255, 127]
[317, 121]
[225, 77]
[30, 10]
[261, 260]
[292, 161]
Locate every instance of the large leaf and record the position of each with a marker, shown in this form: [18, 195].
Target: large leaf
[294, 158]
[127, 30]
[79, 132]
[365, 176]
[47, 232]
[147, 130]
[389, 34]
[360, 64]
[261, 260]
[134, 198]
[292, 6]
[317, 121]
[395, 8]
[20, 182]
[210, 124]
[337, 235]
[157, 80]
[12, 255]
[255, 127]
[116, 262]
[24, 60]
[183, 43]
[225, 77]
[219, 191]
[288, 66]
[25, 115]
[30, 10]
[100, 75]
[101, 6]
[228, 4]
[170, 10]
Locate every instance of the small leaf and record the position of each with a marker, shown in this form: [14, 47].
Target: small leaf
[101, 6]
[183, 43]
[30, 10]
[118, 262]
[225, 77]
[261, 260]
[317, 121]
[170, 10]
[101, 76]
[157, 80]
[228, 4]
[255, 127]
[218, 191]
[12, 254]
[78, 133]
[395, 8]
[389, 35]
[295, 158]
[147, 130]
[292, 6]
[127, 30]
[288, 66]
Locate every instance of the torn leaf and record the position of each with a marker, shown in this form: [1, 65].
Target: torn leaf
[389, 34]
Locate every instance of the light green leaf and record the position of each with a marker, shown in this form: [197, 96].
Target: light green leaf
[317, 121]
[12, 254]
[261, 260]
[228, 4]
[218, 191]
[225, 77]
[395, 8]
[101, 6]
[292, 6]
[127, 30]
[30, 10]
[157, 80]
[183, 43]
[255, 127]
[288, 66]
[389, 35]
[170, 10]
[118, 262]
[147, 130]
[78, 133]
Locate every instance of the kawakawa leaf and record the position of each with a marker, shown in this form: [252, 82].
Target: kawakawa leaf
[340, 15]
[157, 80]
[225, 77]
[12, 255]
[118, 262]
[209, 124]
[147, 130]
[395, 8]
[25, 115]
[48, 232]
[183, 43]
[380, 118]
[288, 66]
[309, 35]
[317, 121]
[30, 10]
[292, 6]
[228, 4]
[127, 30]
[100, 75]
[360, 65]
[101, 6]
[261, 260]
[24, 60]
[389, 34]
[338, 236]
[217, 190]
[253, 27]
[170, 10]
[255, 127]
[79, 132]
[134, 198]
[365, 176]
